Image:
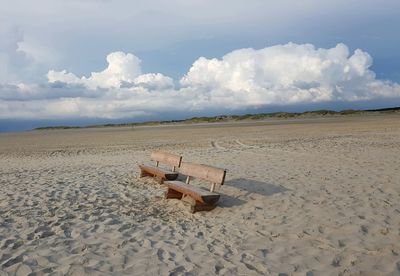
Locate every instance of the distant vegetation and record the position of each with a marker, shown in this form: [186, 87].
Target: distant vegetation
[232, 118]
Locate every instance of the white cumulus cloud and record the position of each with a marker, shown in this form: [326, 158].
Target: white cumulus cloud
[121, 68]
[287, 74]
[245, 78]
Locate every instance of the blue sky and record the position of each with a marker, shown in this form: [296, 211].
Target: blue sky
[192, 57]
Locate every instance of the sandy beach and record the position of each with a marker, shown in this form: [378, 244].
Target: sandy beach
[302, 197]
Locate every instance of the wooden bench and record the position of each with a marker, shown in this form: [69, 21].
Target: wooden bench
[160, 173]
[199, 199]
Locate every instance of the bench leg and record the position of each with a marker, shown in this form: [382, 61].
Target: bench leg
[196, 206]
[144, 173]
[170, 193]
[199, 206]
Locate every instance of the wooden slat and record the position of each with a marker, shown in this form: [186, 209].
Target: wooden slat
[198, 194]
[212, 174]
[201, 207]
[157, 171]
[166, 158]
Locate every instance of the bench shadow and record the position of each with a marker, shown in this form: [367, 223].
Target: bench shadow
[248, 185]
[225, 200]
[257, 187]
[230, 201]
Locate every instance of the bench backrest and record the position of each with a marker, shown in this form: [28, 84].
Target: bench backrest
[166, 158]
[208, 173]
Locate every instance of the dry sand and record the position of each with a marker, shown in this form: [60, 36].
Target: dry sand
[302, 197]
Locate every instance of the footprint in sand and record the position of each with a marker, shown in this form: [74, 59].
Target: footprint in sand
[214, 144]
[13, 261]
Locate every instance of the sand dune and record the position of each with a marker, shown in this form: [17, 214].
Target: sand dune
[313, 197]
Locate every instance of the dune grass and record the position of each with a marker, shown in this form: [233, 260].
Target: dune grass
[231, 118]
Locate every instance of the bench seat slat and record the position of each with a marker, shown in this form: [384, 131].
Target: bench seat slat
[160, 172]
[196, 193]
